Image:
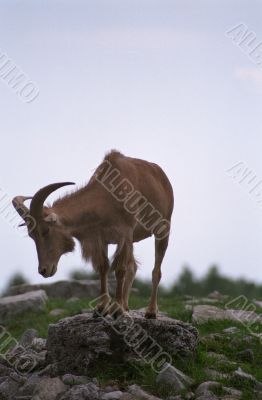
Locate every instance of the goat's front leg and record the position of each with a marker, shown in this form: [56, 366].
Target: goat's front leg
[118, 306]
[123, 256]
[104, 299]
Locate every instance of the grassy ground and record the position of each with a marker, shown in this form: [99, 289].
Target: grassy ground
[226, 344]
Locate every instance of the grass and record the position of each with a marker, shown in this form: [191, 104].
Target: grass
[227, 344]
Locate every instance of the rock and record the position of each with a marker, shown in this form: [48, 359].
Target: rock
[207, 387]
[48, 389]
[56, 312]
[216, 295]
[82, 392]
[246, 355]
[203, 300]
[111, 388]
[40, 358]
[17, 377]
[27, 338]
[116, 395]
[228, 397]
[240, 341]
[5, 369]
[204, 313]
[8, 389]
[243, 376]
[23, 358]
[239, 373]
[72, 300]
[72, 380]
[231, 330]
[257, 395]
[221, 359]
[207, 396]
[212, 337]
[47, 370]
[187, 297]
[160, 313]
[248, 317]
[237, 394]
[29, 387]
[213, 374]
[140, 394]
[76, 343]
[38, 344]
[257, 303]
[175, 379]
[248, 339]
[85, 310]
[189, 396]
[217, 356]
[26, 360]
[64, 289]
[12, 306]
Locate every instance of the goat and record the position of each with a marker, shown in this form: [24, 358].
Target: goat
[125, 201]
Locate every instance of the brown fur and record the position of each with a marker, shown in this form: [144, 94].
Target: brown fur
[96, 218]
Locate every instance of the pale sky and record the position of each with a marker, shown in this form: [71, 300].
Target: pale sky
[155, 79]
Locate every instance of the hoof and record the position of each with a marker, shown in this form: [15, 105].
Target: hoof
[117, 313]
[116, 310]
[96, 314]
[150, 315]
[99, 313]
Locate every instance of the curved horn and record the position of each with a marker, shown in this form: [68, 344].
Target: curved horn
[39, 198]
[18, 203]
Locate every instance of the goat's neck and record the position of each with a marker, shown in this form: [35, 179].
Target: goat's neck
[77, 213]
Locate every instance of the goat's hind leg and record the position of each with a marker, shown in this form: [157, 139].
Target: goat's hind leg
[129, 279]
[160, 250]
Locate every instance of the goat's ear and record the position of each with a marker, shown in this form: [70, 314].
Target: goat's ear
[52, 218]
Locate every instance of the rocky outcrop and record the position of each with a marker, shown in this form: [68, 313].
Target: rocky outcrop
[59, 368]
[100, 358]
[76, 344]
[64, 289]
[14, 305]
[204, 313]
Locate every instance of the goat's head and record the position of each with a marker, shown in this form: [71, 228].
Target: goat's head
[51, 238]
